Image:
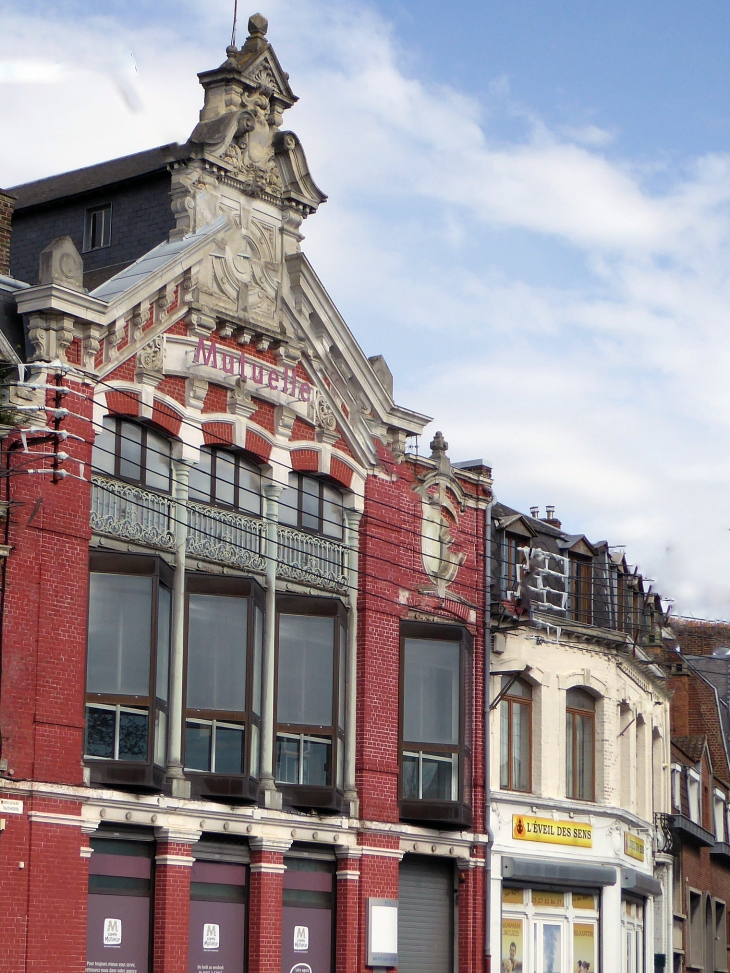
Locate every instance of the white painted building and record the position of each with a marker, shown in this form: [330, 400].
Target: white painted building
[579, 738]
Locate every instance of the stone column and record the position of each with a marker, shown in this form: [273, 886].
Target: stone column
[180, 786]
[352, 519]
[171, 922]
[348, 944]
[265, 904]
[272, 798]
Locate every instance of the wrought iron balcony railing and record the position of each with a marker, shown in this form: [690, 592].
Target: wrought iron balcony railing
[130, 513]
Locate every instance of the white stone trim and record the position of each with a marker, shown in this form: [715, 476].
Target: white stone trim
[382, 852]
[49, 817]
[267, 868]
[86, 851]
[182, 860]
[347, 876]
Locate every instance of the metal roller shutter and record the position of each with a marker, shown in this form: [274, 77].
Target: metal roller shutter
[425, 916]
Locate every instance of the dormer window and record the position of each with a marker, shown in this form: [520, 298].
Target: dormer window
[581, 584]
[226, 479]
[133, 452]
[98, 227]
[313, 505]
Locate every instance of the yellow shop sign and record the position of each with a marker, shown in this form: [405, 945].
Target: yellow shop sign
[633, 846]
[554, 832]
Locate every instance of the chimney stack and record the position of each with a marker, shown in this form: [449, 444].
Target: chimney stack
[7, 205]
[550, 517]
[535, 513]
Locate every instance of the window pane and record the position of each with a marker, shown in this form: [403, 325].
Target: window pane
[249, 487]
[305, 669]
[431, 691]
[102, 455]
[584, 757]
[100, 732]
[310, 503]
[331, 512]
[228, 750]
[504, 744]
[436, 783]
[120, 621]
[569, 755]
[217, 628]
[158, 462]
[130, 451]
[342, 673]
[258, 651]
[225, 477]
[288, 507]
[520, 746]
[132, 736]
[580, 699]
[199, 482]
[316, 762]
[160, 738]
[197, 746]
[164, 603]
[410, 776]
[518, 688]
[254, 769]
[287, 759]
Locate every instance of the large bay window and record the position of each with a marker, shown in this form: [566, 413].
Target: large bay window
[581, 745]
[223, 686]
[130, 451]
[435, 752]
[226, 479]
[310, 700]
[311, 504]
[127, 668]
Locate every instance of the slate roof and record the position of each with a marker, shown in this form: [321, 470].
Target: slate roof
[85, 180]
[11, 323]
[153, 261]
[692, 747]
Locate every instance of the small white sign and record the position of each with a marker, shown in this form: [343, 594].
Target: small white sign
[211, 936]
[301, 939]
[8, 806]
[301, 968]
[112, 932]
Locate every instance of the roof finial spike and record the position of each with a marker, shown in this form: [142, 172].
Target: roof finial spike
[233, 32]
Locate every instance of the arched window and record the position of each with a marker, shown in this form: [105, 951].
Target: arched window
[312, 505]
[515, 718]
[130, 451]
[226, 479]
[580, 745]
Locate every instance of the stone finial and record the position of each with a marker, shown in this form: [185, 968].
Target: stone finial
[438, 452]
[257, 24]
[61, 263]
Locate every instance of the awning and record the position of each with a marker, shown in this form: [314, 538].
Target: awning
[557, 873]
[638, 882]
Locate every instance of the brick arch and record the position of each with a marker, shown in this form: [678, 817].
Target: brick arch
[305, 460]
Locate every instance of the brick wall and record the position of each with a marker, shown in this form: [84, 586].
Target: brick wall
[7, 201]
[701, 638]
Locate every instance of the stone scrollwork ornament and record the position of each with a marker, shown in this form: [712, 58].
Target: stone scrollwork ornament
[324, 417]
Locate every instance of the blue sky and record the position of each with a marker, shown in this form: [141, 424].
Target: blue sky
[528, 216]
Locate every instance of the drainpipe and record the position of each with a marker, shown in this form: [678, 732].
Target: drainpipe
[352, 518]
[272, 797]
[487, 764]
[180, 480]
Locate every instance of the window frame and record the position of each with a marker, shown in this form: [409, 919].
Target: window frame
[240, 458]
[328, 796]
[719, 800]
[574, 711]
[146, 773]
[511, 701]
[511, 545]
[694, 780]
[210, 783]
[322, 482]
[676, 781]
[89, 213]
[454, 813]
[145, 430]
[581, 588]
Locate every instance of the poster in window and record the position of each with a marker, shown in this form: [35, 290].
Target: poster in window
[584, 947]
[512, 945]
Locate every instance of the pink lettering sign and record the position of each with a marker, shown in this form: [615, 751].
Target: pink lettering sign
[257, 372]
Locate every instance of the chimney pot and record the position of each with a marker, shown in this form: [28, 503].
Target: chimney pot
[535, 512]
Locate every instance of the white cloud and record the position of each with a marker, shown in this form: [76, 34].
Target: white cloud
[555, 313]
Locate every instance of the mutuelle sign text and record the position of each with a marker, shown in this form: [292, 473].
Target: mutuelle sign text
[252, 370]
[526, 828]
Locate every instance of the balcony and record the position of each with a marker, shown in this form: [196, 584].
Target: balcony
[130, 513]
[691, 832]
